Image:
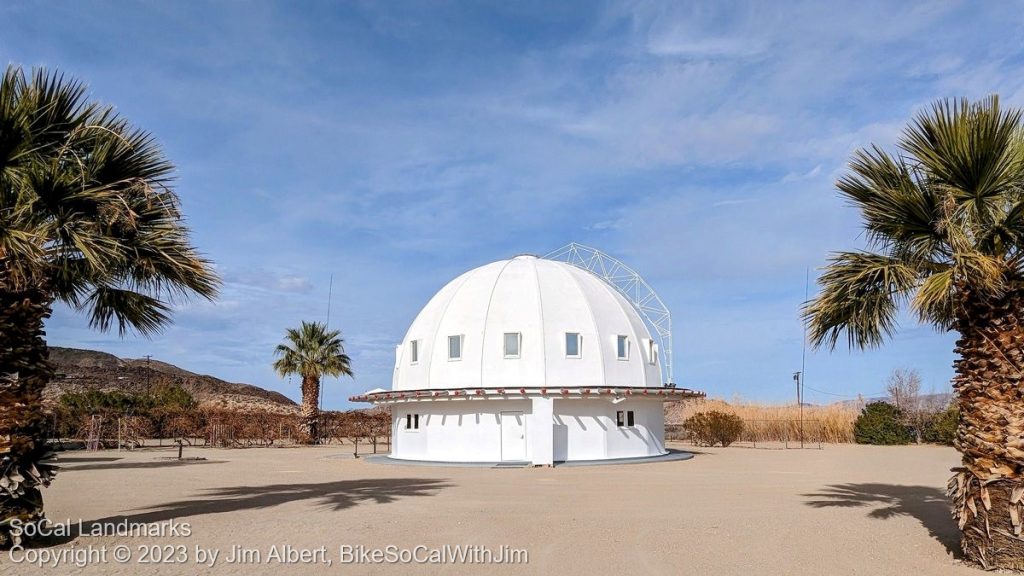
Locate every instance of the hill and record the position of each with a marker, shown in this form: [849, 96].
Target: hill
[82, 370]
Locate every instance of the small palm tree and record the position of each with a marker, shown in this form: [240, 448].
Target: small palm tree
[944, 220]
[88, 218]
[312, 351]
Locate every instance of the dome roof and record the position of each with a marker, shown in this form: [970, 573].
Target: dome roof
[527, 322]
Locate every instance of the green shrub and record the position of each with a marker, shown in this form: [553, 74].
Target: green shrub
[117, 402]
[941, 429]
[173, 397]
[879, 423]
[714, 427]
[159, 407]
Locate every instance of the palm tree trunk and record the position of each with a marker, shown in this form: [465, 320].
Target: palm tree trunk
[24, 372]
[988, 491]
[310, 408]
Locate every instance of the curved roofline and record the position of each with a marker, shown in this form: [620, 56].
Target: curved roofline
[667, 393]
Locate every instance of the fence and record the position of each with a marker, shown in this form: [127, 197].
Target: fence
[218, 428]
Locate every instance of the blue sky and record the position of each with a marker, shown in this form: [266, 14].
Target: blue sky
[396, 145]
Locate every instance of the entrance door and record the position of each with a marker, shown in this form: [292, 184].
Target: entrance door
[513, 436]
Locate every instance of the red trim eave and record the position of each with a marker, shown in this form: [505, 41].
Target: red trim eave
[668, 394]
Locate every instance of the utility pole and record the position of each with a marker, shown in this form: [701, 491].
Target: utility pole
[803, 358]
[798, 378]
[149, 371]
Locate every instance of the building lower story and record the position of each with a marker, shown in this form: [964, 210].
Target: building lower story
[524, 425]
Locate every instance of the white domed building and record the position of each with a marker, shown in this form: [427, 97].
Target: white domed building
[528, 360]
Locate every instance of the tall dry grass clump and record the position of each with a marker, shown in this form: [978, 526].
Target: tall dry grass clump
[768, 423]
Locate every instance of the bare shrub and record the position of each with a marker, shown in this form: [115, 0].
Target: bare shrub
[714, 427]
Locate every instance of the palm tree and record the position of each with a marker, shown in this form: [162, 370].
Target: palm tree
[88, 218]
[944, 223]
[314, 352]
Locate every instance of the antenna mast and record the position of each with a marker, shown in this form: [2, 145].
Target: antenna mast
[330, 294]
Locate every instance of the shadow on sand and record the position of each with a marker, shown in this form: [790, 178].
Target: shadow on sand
[68, 465]
[61, 459]
[927, 504]
[333, 495]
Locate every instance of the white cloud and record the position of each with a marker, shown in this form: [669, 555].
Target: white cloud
[398, 147]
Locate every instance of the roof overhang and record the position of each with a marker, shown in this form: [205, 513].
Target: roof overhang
[666, 394]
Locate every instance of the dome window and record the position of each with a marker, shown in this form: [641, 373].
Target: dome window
[455, 347]
[622, 348]
[513, 340]
[573, 345]
[652, 352]
[414, 351]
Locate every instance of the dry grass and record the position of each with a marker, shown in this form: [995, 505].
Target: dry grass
[767, 423]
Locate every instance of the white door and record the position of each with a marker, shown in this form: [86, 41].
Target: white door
[513, 436]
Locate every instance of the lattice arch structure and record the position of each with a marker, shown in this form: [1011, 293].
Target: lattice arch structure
[633, 287]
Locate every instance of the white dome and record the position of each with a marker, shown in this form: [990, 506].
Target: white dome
[541, 301]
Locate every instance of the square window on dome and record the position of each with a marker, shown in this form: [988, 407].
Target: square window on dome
[573, 345]
[455, 347]
[512, 344]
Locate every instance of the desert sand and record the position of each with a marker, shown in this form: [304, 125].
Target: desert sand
[840, 510]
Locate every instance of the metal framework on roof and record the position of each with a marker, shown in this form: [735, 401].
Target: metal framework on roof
[632, 286]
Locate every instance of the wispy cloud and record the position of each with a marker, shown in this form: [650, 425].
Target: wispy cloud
[396, 145]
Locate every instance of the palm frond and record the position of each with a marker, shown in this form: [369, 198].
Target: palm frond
[859, 299]
[936, 299]
[900, 211]
[946, 217]
[130, 310]
[89, 196]
[973, 149]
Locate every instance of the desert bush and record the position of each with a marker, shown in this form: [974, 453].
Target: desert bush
[186, 426]
[941, 429]
[172, 397]
[64, 422]
[142, 415]
[881, 423]
[237, 428]
[714, 427]
[135, 430]
[124, 403]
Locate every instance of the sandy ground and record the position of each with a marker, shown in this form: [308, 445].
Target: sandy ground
[840, 510]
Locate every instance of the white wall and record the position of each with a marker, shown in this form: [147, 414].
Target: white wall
[540, 425]
[587, 430]
[556, 429]
[645, 438]
[454, 430]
